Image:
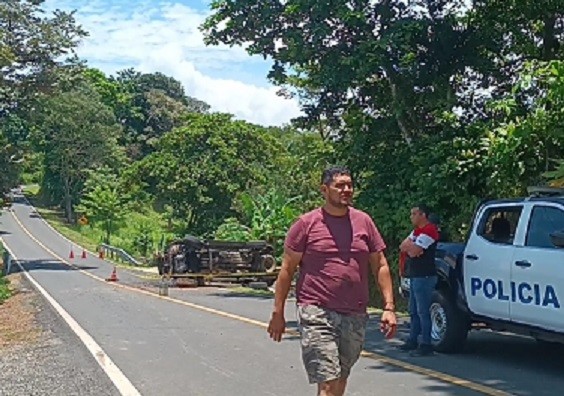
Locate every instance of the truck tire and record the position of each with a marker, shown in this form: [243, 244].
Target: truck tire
[449, 326]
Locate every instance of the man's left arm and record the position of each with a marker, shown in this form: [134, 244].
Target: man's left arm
[411, 248]
[381, 271]
[428, 236]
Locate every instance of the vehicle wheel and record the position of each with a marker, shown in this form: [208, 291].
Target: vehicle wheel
[268, 263]
[449, 327]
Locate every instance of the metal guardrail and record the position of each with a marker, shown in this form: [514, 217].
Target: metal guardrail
[7, 260]
[114, 252]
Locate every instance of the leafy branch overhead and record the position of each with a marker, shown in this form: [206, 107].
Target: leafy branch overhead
[406, 63]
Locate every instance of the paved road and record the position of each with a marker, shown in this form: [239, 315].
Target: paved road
[54, 364]
[165, 348]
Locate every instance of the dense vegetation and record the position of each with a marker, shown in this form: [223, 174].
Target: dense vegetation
[425, 101]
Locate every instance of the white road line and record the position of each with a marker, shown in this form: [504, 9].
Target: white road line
[122, 383]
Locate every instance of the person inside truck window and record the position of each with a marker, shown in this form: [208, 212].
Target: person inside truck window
[500, 225]
[501, 230]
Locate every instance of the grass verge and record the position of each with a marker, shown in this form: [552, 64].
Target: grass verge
[75, 232]
[5, 291]
[250, 292]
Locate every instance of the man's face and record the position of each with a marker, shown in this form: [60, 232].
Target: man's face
[417, 217]
[339, 192]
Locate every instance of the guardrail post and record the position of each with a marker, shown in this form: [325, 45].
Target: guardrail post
[7, 259]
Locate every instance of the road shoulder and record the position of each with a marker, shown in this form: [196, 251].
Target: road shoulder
[38, 352]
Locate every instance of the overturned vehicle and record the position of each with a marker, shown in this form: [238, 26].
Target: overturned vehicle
[192, 255]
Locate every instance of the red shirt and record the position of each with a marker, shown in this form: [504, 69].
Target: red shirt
[335, 270]
[425, 237]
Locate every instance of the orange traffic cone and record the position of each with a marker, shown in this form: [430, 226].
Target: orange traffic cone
[71, 254]
[83, 254]
[113, 277]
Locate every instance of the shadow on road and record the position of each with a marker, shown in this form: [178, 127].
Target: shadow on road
[250, 294]
[517, 365]
[49, 265]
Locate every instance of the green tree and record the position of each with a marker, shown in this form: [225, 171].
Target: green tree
[77, 133]
[405, 90]
[158, 104]
[103, 201]
[33, 47]
[199, 168]
[268, 215]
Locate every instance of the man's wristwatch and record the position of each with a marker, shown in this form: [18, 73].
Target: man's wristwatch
[390, 307]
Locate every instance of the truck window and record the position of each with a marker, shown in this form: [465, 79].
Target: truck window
[544, 221]
[498, 225]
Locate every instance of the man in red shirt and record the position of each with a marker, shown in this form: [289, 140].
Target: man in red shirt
[336, 247]
[418, 251]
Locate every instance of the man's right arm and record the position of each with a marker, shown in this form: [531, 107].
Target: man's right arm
[294, 246]
[290, 262]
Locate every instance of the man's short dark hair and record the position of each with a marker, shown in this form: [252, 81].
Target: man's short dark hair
[423, 208]
[330, 173]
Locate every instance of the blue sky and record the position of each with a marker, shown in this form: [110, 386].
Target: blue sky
[155, 35]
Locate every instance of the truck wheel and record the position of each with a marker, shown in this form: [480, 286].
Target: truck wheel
[449, 327]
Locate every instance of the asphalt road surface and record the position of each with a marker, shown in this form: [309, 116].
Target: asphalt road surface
[207, 341]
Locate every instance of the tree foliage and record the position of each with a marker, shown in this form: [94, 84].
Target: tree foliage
[33, 48]
[103, 200]
[77, 133]
[157, 104]
[198, 168]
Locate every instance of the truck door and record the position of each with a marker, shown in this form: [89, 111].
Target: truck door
[537, 270]
[487, 259]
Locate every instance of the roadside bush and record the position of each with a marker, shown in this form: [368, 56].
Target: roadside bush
[5, 291]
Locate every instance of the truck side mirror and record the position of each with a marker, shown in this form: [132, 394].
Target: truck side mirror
[557, 238]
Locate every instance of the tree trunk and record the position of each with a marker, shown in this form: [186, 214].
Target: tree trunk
[404, 129]
[68, 201]
[549, 39]
[405, 133]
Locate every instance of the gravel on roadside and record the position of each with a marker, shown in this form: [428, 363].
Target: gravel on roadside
[39, 353]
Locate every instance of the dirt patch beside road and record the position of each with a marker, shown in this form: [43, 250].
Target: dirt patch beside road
[18, 325]
[39, 354]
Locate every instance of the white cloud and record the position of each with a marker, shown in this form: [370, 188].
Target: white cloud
[161, 36]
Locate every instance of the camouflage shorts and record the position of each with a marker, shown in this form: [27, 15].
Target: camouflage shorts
[331, 342]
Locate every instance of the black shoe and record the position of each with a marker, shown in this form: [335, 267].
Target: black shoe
[408, 346]
[423, 350]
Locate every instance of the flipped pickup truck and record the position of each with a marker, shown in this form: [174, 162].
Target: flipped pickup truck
[508, 276]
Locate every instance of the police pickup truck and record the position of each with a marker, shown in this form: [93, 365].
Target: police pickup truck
[508, 276]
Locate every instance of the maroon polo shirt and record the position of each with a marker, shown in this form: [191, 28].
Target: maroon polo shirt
[335, 270]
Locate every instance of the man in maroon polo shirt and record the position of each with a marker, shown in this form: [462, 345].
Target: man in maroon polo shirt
[336, 247]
